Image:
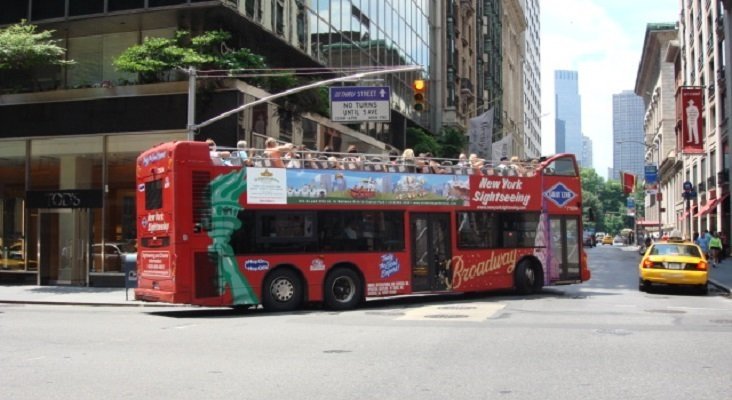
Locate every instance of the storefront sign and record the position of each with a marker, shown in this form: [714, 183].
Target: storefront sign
[63, 199]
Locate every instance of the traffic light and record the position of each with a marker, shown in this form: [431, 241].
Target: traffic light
[419, 86]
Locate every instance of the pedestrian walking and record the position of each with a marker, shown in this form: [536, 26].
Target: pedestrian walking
[715, 248]
[725, 246]
[703, 242]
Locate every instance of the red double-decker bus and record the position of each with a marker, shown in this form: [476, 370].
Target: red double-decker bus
[224, 235]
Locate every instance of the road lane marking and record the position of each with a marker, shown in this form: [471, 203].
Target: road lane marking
[472, 312]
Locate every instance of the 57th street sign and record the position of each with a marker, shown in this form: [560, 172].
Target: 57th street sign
[360, 104]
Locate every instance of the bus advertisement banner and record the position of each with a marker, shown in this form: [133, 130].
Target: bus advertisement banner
[303, 186]
[344, 187]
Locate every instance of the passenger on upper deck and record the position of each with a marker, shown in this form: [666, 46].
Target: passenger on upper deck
[408, 160]
[515, 168]
[216, 156]
[433, 166]
[240, 155]
[502, 167]
[273, 152]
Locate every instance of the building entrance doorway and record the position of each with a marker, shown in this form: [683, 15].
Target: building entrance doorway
[63, 238]
[61, 231]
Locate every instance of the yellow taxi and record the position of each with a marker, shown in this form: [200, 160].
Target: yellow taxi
[607, 240]
[673, 262]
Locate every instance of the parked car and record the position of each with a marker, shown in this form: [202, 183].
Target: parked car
[112, 256]
[618, 241]
[673, 262]
[589, 240]
[15, 251]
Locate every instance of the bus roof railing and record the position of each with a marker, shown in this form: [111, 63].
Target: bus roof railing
[303, 158]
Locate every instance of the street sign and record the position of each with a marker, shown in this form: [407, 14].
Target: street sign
[360, 104]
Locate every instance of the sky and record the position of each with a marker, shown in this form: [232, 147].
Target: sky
[602, 40]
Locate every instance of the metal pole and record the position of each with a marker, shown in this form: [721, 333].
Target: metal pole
[190, 125]
[688, 208]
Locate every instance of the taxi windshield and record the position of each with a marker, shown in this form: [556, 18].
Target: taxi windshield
[675, 249]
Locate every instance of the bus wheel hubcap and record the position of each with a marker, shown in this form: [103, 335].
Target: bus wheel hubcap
[282, 290]
[343, 289]
[530, 275]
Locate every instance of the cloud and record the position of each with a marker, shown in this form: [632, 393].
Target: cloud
[603, 42]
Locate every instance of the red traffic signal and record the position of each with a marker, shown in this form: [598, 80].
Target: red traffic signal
[419, 87]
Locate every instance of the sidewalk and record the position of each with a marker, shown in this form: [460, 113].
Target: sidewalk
[721, 277]
[71, 295]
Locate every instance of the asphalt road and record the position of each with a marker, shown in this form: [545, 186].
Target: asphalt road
[599, 340]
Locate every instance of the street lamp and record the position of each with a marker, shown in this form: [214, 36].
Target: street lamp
[648, 147]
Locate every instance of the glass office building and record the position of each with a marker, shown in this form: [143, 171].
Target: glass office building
[69, 141]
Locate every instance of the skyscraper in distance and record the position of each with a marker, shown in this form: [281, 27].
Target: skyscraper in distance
[568, 113]
[628, 137]
[586, 159]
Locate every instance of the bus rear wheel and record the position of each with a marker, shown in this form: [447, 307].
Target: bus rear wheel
[528, 278]
[282, 291]
[343, 289]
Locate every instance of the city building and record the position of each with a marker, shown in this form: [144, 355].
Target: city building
[586, 159]
[532, 80]
[567, 113]
[628, 136]
[702, 65]
[512, 48]
[724, 82]
[71, 135]
[656, 83]
[459, 64]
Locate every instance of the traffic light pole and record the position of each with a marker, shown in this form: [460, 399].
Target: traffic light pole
[192, 126]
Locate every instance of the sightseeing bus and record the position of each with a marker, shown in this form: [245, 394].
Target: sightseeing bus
[212, 234]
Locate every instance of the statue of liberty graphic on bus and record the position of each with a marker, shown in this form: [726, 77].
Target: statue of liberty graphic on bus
[225, 192]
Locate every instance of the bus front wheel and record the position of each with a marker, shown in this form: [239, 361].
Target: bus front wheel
[343, 289]
[282, 291]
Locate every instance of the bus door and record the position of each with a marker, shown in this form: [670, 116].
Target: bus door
[431, 254]
[566, 245]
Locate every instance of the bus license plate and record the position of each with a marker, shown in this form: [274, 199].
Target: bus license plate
[674, 266]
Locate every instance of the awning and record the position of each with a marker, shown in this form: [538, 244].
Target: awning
[647, 223]
[711, 205]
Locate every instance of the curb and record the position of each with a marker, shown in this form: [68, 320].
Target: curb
[719, 286]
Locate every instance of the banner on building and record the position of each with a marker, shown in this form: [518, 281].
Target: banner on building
[628, 182]
[480, 134]
[502, 148]
[689, 112]
[651, 179]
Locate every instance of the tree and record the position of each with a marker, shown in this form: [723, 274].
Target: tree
[156, 58]
[606, 200]
[452, 141]
[22, 47]
[591, 204]
[421, 141]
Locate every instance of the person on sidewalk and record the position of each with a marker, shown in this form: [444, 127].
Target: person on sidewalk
[703, 242]
[715, 248]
